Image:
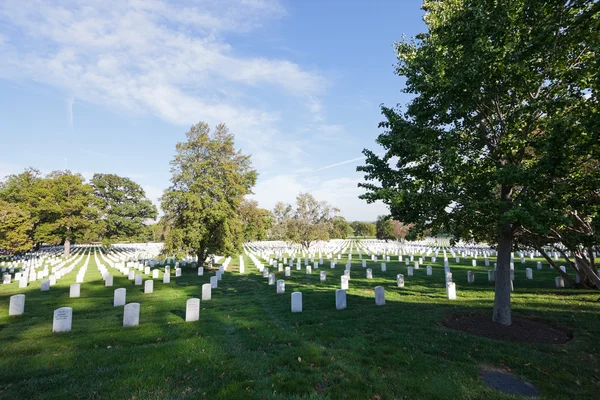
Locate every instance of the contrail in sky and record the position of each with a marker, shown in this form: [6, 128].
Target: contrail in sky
[340, 163]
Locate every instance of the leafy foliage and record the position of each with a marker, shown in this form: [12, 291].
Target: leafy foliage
[504, 121]
[65, 209]
[310, 221]
[15, 227]
[124, 205]
[364, 228]
[340, 228]
[256, 221]
[209, 182]
[385, 228]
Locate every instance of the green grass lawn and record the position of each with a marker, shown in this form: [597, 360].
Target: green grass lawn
[248, 344]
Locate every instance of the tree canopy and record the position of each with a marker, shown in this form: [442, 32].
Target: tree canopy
[256, 221]
[503, 124]
[384, 228]
[15, 227]
[309, 221]
[124, 205]
[202, 206]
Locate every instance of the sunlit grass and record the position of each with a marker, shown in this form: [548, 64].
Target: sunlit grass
[248, 344]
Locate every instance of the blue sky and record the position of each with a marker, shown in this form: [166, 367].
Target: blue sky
[112, 86]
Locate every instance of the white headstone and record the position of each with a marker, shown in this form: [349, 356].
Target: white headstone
[379, 296]
[340, 299]
[149, 286]
[206, 291]
[155, 273]
[138, 280]
[288, 271]
[177, 272]
[63, 318]
[271, 279]
[529, 273]
[119, 297]
[131, 315]
[560, 282]
[214, 282]
[369, 273]
[16, 305]
[383, 267]
[280, 286]
[470, 277]
[429, 270]
[323, 276]
[45, 285]
[296, 302]
[74, 290]
[400, 280]
[167, 277]
[108, 281]
[410, 271]
[451, 290]
[192, 310]
[344, 282]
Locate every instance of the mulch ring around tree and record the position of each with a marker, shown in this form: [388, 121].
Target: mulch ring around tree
[522, 330]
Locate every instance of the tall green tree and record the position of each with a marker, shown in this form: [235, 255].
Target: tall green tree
[24, 190]
[209, 182]
[124, 207]
[363, 228]
[505, 106]
[256, 221]
[309, 221]
[384, 228]
[66, 207]
[340, 228]
[15, 228]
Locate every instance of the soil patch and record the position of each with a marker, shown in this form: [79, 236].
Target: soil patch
[522, 330]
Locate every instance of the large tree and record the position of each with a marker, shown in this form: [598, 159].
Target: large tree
[340, 228]
[364, 228]
[256, 221]
[66, 208]
[309, 221]
[15, 227]
[124, 207]
[384, 228]
[209, 182]
[505, 106]
[24, 190]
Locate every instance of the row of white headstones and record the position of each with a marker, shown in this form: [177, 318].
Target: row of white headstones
[63, 317]
[296, 303]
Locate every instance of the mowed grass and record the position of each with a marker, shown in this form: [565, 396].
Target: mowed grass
[248, 344]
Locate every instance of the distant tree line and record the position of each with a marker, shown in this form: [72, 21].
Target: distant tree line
[61, 208]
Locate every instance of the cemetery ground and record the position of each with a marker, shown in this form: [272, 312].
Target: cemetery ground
[248, 344]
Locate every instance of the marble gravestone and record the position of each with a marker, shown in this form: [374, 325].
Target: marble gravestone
[280, 286]
[379, 296]
[149, 286]
[340, 299]
[192, 310]
[400, 280]
[131, 315]
[75, 290]
[206, 291]
[16, 305]
[297, 302]
[63, 318]
[119, 297]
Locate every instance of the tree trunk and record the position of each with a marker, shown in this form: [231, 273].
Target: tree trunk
[67, 252]
[566, 277]
[502, 313]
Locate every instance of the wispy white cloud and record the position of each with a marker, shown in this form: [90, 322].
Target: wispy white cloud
[154, 57]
